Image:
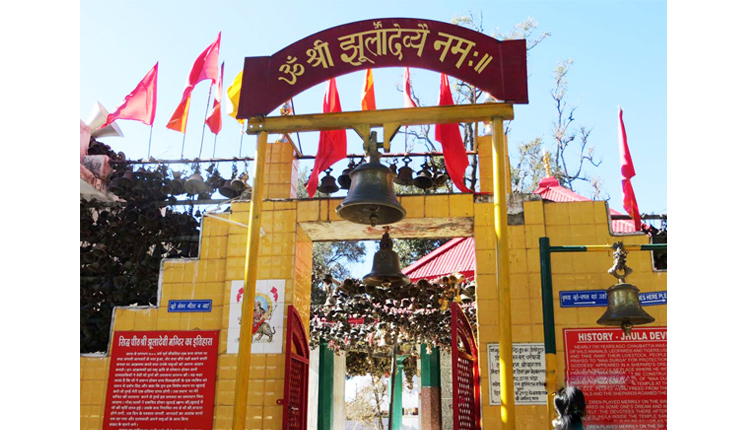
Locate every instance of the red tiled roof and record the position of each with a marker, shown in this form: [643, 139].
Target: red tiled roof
[550, 190]
[456, 255]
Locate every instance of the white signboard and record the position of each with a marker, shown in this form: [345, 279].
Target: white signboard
[267, 326]
[529, 374]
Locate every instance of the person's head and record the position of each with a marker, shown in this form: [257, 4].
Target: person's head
[570, 406]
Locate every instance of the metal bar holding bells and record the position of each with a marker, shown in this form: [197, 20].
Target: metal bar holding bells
[549, 323]
[250, 281]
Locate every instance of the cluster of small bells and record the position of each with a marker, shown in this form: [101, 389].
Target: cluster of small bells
[429, 177]
[125, 182]
[366, 318]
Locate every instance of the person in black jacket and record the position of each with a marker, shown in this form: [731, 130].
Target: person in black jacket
[570, 406]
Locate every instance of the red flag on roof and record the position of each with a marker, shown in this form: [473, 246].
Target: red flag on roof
[332, 145]
[450, 138]
[627, 172]
[205, 67]
[368, 92]
[408, 101]
[140, 104]
[213, 120]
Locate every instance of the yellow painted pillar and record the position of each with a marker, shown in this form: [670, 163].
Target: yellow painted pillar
[500, 216]
[250, 280]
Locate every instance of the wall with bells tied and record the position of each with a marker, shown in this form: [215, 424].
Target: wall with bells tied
[285, 255]
[574, 223]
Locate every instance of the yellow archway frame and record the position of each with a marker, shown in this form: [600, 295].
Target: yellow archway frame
[390, 120]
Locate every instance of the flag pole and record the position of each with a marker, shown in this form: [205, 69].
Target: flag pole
[149, 144]
[206, 109]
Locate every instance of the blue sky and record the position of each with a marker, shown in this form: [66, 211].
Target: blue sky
[618, 49]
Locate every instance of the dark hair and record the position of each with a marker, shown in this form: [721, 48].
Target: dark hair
[570, 406]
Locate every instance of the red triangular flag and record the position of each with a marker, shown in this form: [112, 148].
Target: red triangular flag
[213, 119]
[368, 92]
[627, 172]
[449, 137]
[332, 145]
[408, 101]
[140, 104]
[205, 67]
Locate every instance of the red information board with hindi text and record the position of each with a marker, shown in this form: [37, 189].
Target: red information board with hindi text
[623, 378]
[161, 380]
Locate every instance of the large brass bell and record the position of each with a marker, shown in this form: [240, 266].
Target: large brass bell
[386, 268]
[405, 174]
[424, 179]
[195, 184]
[371, 199]
[328, 184]
[624, 308]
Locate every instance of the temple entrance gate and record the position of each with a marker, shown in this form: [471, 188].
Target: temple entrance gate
[497, 67]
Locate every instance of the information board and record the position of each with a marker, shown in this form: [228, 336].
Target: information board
[161, 380]
[529, 374]
[623, 377]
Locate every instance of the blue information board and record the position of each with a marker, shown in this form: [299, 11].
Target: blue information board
[189, 305]
[588, 298]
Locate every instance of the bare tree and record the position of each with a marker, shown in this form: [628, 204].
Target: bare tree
[365, 408]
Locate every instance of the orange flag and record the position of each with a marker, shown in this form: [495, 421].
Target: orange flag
[140, 104]
[205, 67]
[213, 120]
[368, 92]
[332, 145]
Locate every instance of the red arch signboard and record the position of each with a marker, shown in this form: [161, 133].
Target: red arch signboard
[498, 67]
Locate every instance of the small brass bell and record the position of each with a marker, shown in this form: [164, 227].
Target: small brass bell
[440, 177]
[227, 190]
[405, 174]
[345, 180]
[240, 184]
[386, 269]
[624, 307]
[195, 184]
[371, 198]
[424, 179]
[328, 184]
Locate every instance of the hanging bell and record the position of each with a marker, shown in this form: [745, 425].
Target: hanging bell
[386, 269]
[328, 184]
[405, 174]
[345, 180]
[371, 198]
[240, 184]
[195, 184]
[624, 308]
[424, 179]
[440, 177]
[227, 190]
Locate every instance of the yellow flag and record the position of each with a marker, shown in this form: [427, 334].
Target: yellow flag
[234, 92]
